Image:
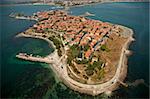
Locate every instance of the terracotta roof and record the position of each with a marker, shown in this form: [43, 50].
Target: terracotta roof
[88, 53]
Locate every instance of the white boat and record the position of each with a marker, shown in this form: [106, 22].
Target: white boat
[57, 7]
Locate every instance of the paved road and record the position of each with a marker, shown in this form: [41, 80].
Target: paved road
[60, 68]
[91, 89]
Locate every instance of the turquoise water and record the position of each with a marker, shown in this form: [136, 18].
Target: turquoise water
[12, 68]
[28, 79]
[135, 16]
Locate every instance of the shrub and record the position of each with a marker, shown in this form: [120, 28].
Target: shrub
[104, 48]
[97, 64]
[89, 72]
[86, 47]
[101, 74]
[84, 61]
[74, 50]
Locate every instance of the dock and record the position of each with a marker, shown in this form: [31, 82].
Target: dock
[24, 56]
[23, 17]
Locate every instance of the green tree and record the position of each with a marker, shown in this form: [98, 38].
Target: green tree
[104, 48]
[86, 47]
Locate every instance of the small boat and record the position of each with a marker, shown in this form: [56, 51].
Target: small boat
[57, 7]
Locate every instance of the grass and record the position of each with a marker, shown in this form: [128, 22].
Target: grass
[57, 43]
[104, 48]
[91, 67]
[101, 73]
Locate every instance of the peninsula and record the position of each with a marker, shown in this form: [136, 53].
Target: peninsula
[90, 56]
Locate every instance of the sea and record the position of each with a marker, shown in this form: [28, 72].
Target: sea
[24, 79]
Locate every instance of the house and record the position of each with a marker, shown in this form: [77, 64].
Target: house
[88, 53]
[94, 59]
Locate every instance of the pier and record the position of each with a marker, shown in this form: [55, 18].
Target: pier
[24, 56]
[59, 62]
[26, 18]
[22, 17]
[87, 14]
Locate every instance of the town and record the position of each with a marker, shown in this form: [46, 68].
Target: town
[92, 47]
[77, 30]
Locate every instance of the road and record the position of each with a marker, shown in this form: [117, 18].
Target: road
[59, 66]
[91, 89]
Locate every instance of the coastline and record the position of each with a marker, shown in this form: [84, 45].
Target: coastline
[7, 5]
[138, 49]
[124, 70]
[49, 4]
[37, 37]
[59, 66]
[106, 87]
[91, 4]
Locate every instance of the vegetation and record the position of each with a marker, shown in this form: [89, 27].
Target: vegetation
[57, 43]
[86, 47]
[72, 53]
[85, 77]
[89, 72]
[83, 61]
[46, 30]
[101, 74]
[69, 61]
[104, 48]
[75, 69]
[98, 64]
[91, 67]
[59, 52]
[74, 50]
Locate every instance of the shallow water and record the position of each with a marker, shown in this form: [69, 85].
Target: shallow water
[29, 79]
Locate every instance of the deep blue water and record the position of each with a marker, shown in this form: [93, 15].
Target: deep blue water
[16, 74]
[11, 67]
[135, 16]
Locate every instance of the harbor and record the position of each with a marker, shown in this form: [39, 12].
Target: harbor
[14, 68]
[59, 64]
